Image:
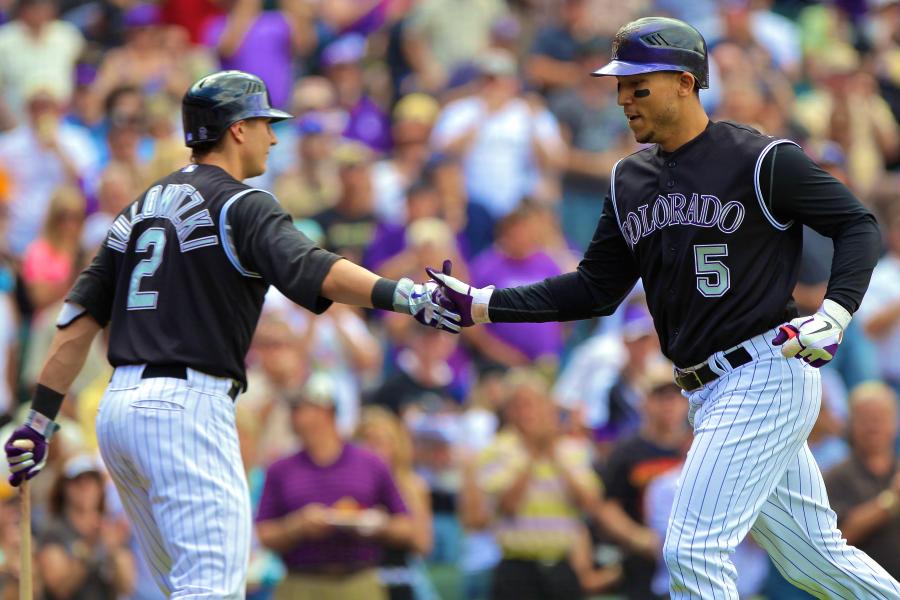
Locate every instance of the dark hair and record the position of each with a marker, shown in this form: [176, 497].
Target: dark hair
[57, 501]
[201, 151]
[113, 97]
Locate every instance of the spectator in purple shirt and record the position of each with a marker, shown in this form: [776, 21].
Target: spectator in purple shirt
[330, 509]
[517, 257]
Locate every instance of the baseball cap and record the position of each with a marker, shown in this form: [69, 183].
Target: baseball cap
[659, 377]
[352, 154]
[636, 322]
[318, 390]
[81, 464]
[417, 107]
[497, 62]
[347, 49]
[141, 15]
[310, 124]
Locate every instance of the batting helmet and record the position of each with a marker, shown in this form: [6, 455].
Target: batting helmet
[212, 104]
[658, 44]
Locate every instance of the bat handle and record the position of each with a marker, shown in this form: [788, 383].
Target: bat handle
[788, 331]
[25, 577]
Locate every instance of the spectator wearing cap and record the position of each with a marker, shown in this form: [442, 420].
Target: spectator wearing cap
[350, 224]
[311, 183]
[366, 121]
[660, 444]
[539, 483]
[879, 313]
[411, 123]
[41, 154]
[36, 45]
[441, 35]
[148, 59]
[864, 490]
[517, 256]
[505, 142]
[80, 552]
[329, 510]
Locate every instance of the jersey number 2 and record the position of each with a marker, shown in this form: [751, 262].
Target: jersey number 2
[713, 277]
[153, 240]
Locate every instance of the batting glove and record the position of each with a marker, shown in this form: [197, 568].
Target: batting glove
[424, 302]
[815, 338]
[26, 449]
[471, 302]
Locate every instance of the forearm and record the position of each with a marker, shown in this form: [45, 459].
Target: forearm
[348, 283]
[66, 357]
[626, 531]
[856, 252]
[124, 573]
[883, 321]
[398, 532]
[511, 499]
[280, 535]
[863, 520]
[236, 27]
[586, 497]
[562, 298]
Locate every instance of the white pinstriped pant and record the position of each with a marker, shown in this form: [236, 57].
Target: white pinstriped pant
[171, 448]
[749, 470]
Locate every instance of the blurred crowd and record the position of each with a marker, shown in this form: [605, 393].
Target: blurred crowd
[387, 460]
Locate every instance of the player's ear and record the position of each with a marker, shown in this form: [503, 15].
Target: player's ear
[686, 83]
[238, 130]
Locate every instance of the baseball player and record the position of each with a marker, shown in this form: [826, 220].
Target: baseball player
[709, 216]
[180, 281]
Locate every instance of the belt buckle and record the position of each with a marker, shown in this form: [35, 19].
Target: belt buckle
[692, 373]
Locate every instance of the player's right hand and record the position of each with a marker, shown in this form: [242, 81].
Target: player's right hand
[26, 449]
[471, 303]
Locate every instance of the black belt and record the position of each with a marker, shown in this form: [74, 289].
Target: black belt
[690, 380]
[180, 372]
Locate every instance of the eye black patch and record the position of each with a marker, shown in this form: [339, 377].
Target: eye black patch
[641, 93]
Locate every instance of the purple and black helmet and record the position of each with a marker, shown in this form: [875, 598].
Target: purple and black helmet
[658, 44]
[212, 104]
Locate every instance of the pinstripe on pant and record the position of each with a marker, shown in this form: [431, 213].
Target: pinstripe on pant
[749, 470]
[171, 448]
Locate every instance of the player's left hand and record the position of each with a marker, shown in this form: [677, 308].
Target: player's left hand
[814, 339]
[426, 305]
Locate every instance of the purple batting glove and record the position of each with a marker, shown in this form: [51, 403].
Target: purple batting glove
[470, 303]
[25, 462]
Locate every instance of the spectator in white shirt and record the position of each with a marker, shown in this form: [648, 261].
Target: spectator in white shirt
[37, 44]
[506, 142]
[40, 155]
[880, 309]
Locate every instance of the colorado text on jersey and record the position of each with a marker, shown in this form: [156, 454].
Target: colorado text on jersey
[174, 202]
[702, 210]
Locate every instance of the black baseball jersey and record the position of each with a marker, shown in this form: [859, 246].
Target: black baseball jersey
[714, 231]
[184, 269]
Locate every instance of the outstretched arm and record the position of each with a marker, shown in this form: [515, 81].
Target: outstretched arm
[602, 280]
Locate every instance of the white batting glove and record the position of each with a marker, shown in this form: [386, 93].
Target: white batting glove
[814, 339]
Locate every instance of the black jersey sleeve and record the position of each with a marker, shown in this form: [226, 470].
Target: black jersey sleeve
[602, 280]
[268, 245]
[96, 286]
[797, 189]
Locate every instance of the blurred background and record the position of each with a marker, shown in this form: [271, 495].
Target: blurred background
[534, 460]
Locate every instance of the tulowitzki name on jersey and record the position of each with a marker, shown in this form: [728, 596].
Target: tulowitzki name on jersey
[701, 210]
[174, 203]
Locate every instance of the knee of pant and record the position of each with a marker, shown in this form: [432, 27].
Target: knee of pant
[685, 554]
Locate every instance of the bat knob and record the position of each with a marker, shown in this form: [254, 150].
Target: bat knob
[788, 331]
[23, 444]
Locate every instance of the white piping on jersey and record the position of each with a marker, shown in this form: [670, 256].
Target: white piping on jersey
[225, 233]
[612, 198]
[762, 204]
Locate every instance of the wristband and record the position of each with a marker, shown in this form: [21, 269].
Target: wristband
[42, 424]
[383, 294]
[46, 401]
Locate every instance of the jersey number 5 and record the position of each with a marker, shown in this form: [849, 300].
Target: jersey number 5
[713, 277]
[153, 240]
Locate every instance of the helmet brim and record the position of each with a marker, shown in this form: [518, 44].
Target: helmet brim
[273, 114]
[623, 67]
